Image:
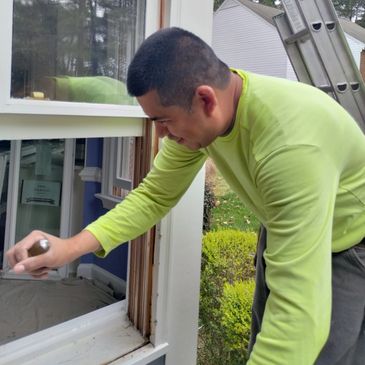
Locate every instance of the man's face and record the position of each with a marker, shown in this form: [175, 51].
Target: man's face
[194, 129]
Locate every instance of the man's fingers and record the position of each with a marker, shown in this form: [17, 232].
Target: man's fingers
[32, 264]
[19, 252]
[10, 257]
[40, 273]
[19, 268]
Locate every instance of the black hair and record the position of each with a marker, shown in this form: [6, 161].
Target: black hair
[174, 62]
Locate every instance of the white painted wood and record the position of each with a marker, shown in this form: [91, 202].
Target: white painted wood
[143, 356]
[177, 276]
[66, 196]
[48, 107]
[90, 174]
[4, 159]
[92, 339]
[11, 207]
[57, 126]
[152, 16]
[195, 16]
[6, 21]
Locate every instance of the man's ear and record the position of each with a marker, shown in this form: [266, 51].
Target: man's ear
[206, 98]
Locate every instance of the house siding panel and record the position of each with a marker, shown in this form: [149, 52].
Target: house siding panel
[290, 73]
[356, 47]
[244, 40]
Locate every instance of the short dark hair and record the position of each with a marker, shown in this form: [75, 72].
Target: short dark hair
[174, 62]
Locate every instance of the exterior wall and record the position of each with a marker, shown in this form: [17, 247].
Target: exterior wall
[290, 73]
[356, 47]
[244, 40]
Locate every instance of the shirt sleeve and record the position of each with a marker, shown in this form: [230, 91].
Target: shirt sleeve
[298, 185]
[173, 171]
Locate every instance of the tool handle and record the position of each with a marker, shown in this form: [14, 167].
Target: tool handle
[39, 248]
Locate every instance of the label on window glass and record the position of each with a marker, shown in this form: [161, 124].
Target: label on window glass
[41, 192]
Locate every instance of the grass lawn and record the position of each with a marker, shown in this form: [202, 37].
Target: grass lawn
[229, 211]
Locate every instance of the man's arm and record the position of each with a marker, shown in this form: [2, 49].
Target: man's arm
[174, 169]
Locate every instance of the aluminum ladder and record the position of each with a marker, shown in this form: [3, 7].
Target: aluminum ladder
[319, 53]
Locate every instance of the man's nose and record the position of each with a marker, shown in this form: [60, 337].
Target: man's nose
[161, 130]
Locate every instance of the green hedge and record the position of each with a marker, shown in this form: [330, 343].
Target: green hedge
[236, 319]
[226, 296]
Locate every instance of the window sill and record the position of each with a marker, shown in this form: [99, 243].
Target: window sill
[109, 202]
[105, 336]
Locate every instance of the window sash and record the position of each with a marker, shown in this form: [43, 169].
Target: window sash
[53, 108]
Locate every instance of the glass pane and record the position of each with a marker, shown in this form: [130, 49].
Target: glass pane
[75, 50]
[40, 185]
[4, 178]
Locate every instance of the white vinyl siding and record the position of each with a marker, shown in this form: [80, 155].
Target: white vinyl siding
[243, 39]
[290, 73]
[356, 47]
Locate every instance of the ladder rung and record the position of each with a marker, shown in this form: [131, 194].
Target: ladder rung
[301, 35]
[320, 55]
[325, 88]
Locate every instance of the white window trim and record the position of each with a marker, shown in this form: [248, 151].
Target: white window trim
[121, 161]
[113, 151]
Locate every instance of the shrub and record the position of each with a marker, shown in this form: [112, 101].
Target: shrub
[227, 259]
[236, 305]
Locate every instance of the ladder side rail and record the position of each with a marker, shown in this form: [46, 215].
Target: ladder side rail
[297, 22]
[303, 57]
[322, 51]
[329, 15]
[333, 48]
[352, 72]
[292, 49]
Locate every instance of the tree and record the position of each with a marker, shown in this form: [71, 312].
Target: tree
[217, 4]
[350, 9]
[271, 3]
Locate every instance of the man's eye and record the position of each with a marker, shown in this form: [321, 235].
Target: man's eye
[162, 121]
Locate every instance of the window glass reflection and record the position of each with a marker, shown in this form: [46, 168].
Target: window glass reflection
[40, 186]
[75, 50]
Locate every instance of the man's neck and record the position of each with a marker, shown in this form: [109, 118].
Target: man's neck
[232, 98]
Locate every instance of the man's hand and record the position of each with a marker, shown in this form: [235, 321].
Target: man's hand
[60, 252]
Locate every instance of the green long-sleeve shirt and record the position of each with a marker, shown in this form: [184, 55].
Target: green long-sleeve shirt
[296, 159]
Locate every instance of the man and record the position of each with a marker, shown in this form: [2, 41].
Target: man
[292, 154]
